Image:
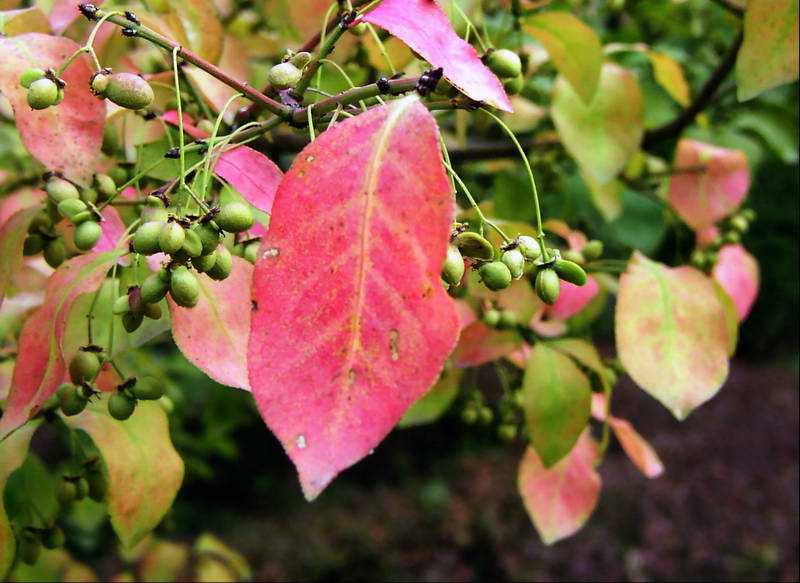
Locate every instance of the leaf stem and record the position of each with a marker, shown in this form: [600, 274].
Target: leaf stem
[481, 216]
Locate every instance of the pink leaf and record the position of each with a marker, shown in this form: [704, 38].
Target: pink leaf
[423, 26]
[573, 299]
[213, 335]
[40, 366]
[561, 499]
[636, 447]
[12, 238]
[738, 274]
[251, 174]
[22, 199]
[81, 116]
[113, 229]
[65, 12]
[351, 324]
[171, 117]
[480, 344]
[543, 326]
[703, 197]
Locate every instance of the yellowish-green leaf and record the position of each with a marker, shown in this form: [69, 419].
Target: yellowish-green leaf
[669, 74]
[582, 351]
[435, 402]
[197, 22]
[16, 22]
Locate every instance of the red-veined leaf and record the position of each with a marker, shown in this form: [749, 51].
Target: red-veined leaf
[738, 274]
[423, 26]
[769, 54]
[81, 116]
[12, 237]
[557, 402]
[40, 365]
[22, 21]
[143, 470]
[213, 334]
[480, 344]
[351, 324]
[714, 185]
[560, 499]
[672, 335]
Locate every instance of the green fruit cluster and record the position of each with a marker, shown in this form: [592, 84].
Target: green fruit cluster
[731, 232]
[507, 65]
[83, 370]
[123, 89]
[45, 89]
[122, 404]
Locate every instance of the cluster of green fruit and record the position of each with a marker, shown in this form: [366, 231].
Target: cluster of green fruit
[124, 89]
[45, 88]
[287, 74]
[507, 65]
[731, 232]
[90, 481]
[500, 319]
[32, 539]
[65, 200]
[476, 411]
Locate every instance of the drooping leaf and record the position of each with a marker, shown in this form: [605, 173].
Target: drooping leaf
[213, 334]
[713, 185]
[435, 402]
[557, 402]
[560, 499]
[480, 344]
[573, 46]
[423, 26]
[636, 447]
[80, 116]
[197, 25]
[13, 452]
[252, 175]
[40, 367]
[351, 324]
[12, 237]
[23, 20]
[604, 135]
[769, 54]
[738, 273]
[143, 470]
[671, 333]
[669, 74]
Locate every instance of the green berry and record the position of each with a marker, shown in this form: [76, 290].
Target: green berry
[131, 321]
[529, 247]
[148, 389]
[515, 261]
[87, 235]
[153, 289]
[154, 210]
[469, 415]
[29, 549]
[508, 320]
[41, 221]
[70, 207]
[98, 485]
[235, 217]
[548, 286]
[120, 406]
[55, 252]
[473, 245]
[205, 262]
[495, 275]
[89, 195]
[60, 96]
[33, 244]
[152, 311]
[593, 250]
[146, 238]
[99, 83]
[251, 252]
[129, 91]
[453, 269]
[42, 94]
[209, 236]
[29, 76]
[105, 186]
[59, 189]
[71, 402]
[301, 59]
[223, 265]
[284, 76]
[485, 415]
[574, 256]
[514, 85]
[82, 487]
[67, 492]
[53, 538]
[492, 318]
[184, 288]
[570, 271]
[731, 238]
[171, 237]
[122, 305]
[192, 245]
[507, 432]
[504, 63]
[749, 215]
[698, 259]
[84, 367]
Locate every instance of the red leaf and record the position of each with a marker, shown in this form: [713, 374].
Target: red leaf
[423, 26]
[738, 274]
[65, 12]
[252, 175]
[21, 199]
[560, 500]
[12, 237]
[701, 198]
[80, 117]
[351, 324]
[480, 344]
[40, 367]
[213, 335]
[113, 229]
[573, 299]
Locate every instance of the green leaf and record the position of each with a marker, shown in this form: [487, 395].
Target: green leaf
[557, 402]
[669, 74]
[604, 135]
[582, 351]
[143, 470]
[435, 402]
[574, 47]
[769, 54]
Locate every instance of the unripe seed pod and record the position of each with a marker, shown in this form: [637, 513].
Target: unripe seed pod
[131, 321]
[82, 487]
[529, 247]
[98, 485]
[70, 207]
[731, 238]
[59, 189]
[152, 311]
[53, 538]
[469, 415]
[29, 550]
[514, 85]
[84, 367]
[251, 252]
[574, 256]
[235, 217]
[495, 275]
[148, 389]
[82, 217]
[184, 288]
[492, 318]
[120, 406]
[87, 235]
[55, 253]
[42, 94]
[154, 211]
[222, 266]
[33, 244]
[129, 91]
[453, 269]
[473, 245]
[41, 221]
[146, 238]
[570, 271]
[515, 261]
[485, 415]
[507, 432]
[209, 236]
[504, 63]
[548, 286]
[301, 59]
[106, 187]
[593, 250]
[67, 492]
[122, 305]
[71, 402]
[29, 76]
[749, 215]
[284, 76]
[167, 404]
[192, 244]
[99, 83]
[205, 262]
[89, 195]
[508, 320]
[171, 238]
[153, 289]
[60, 96]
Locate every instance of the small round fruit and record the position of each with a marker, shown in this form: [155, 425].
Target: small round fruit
[82, 487]
[53, 538]
[120, 406]
[184, 288]
[84, 367]
[98, 485]
[495, 275]
[30, 75]
[131, 321]
[251, 252]
[152, 311]
[209, 236]
[453, 269]
[87, 235]
[59, 189]
[148, 389]
[89, 195]
[529, 247]
[105, 186]
[301, 59]
[71, 402]
[593, 250]
[171, 237]
[40, 222]
[492, 318]
[146, 238]
[504, 63]
[469, 415]
[731, 238]
[284, 76]
[515, 261]
[473, 245]
[55, 252]
[42, 94]
[574, 256]
[698, 259]
[205, 262]
[154, 210]
[223, 265]
[33, 244]
[192, 244]
[67, 492]
[235, 217]
[507, 432]
[153, 289]
[70, 207]
[129, 91]
[508, 320]
[514, 85]
[548, 286]
[570, 271]
[749, 215]
[29, 550]
[99, 83]
[485, 415]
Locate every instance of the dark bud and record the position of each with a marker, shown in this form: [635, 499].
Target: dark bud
[148, 115]
[129, 32]
[88, 10]
[349, 19]
[428, 80]
[131, 17]
[172, 154]
[383, 85]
